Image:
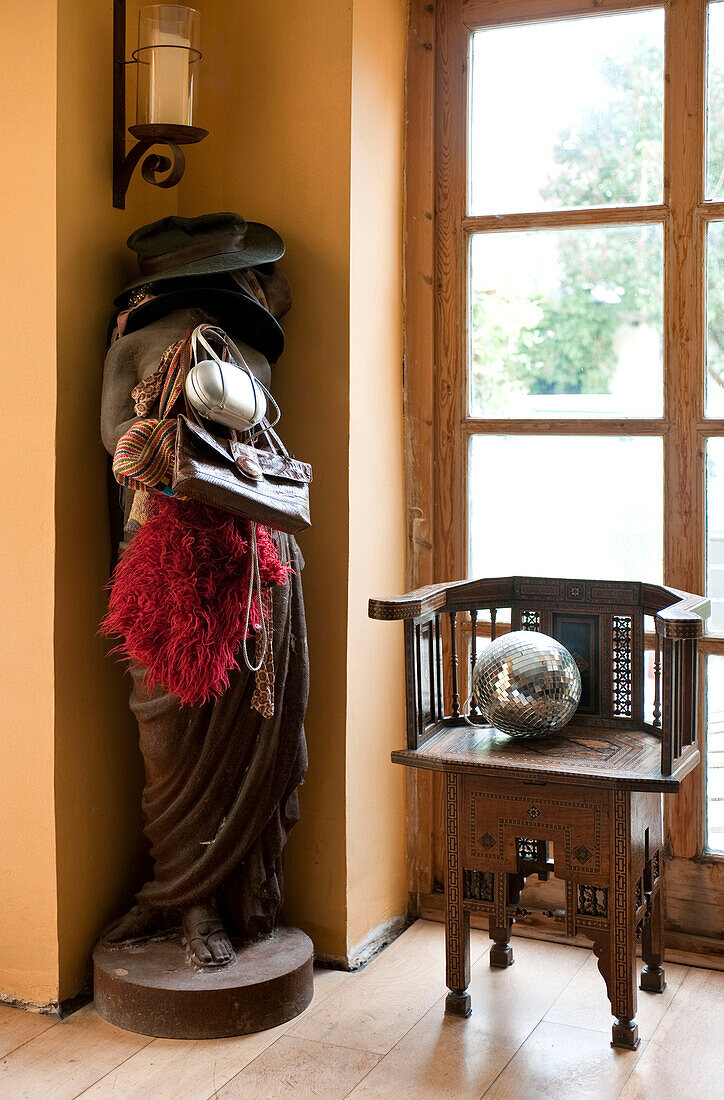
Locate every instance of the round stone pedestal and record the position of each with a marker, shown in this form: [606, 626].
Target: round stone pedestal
[154, 989]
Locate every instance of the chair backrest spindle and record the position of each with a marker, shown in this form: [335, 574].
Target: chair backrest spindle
[473, 653]
[454, 663]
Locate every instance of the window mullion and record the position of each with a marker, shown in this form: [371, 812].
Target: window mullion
[684, 509]
[450, 519]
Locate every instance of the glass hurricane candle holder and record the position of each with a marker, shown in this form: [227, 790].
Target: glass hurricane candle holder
[168, 54]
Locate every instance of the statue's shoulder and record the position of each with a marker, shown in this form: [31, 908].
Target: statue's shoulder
[138, 353]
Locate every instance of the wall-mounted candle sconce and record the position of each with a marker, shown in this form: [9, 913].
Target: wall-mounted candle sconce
[166, 61]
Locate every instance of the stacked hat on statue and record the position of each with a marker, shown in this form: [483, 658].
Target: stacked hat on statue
[218, 263]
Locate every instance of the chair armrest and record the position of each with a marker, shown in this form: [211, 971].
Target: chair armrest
[418, 602]
[684, 618]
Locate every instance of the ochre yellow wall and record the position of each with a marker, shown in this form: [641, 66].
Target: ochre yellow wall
[304, 104]
[28, 940]
[376, 864]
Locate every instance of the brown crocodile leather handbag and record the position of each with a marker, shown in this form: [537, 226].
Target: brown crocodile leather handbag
[265, 486]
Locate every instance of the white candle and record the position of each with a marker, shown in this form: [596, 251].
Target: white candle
[169, 83]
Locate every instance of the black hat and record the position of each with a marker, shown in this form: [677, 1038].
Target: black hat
[174, 247]
[233, 309]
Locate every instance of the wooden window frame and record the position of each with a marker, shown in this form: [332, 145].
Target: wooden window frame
[437, 425]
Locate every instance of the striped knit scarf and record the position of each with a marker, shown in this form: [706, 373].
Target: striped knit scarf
[144, 454]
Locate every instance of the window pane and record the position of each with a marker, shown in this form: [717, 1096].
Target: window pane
[715, 753]
[715, 533]
[566, 506]
[715, 319]
[715, 103]
[567, 322]
[567, 113]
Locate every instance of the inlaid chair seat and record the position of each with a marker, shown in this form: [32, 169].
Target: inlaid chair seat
[610, 756]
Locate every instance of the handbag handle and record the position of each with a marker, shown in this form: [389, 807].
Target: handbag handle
[276, 444]
[198, 337]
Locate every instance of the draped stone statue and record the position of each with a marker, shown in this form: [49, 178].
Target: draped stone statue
[201, 953]
[221, 780]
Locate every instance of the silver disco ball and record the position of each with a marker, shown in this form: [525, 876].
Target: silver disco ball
[526, 684]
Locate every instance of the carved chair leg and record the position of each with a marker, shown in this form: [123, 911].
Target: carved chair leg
[457, 958]
[458, 1004]
[507, 892]
[501, 953]
[457, 919]
[617, 963]
[621, 978]
[625, 1033]
[652, 948]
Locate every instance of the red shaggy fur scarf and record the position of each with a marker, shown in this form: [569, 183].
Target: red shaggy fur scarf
[178, 596]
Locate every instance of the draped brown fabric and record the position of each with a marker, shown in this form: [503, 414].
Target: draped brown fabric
[221, 780]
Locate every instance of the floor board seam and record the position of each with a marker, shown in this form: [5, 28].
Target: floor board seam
[113, 1069]
[577, 1027]
[575, 974]
[485, 951]
[32, 1039]
[366, 1075]
[439, 1001]
[298, 1038]
[644, 1048]
[644, 1043]
[682, 983]
[513, 1055]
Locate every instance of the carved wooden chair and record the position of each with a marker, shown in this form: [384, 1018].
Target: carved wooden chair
[592, 791]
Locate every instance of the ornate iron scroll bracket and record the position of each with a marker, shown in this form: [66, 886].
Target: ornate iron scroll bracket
[154, 165]
[148, 135]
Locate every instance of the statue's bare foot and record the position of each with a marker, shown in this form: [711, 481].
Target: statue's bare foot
[206, 937]
[137, 925]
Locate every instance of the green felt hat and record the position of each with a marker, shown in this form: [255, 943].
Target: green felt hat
[174, 247]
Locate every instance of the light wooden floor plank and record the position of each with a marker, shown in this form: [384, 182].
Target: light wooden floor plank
[445, 1056]
[559, 1062]
[390, 995]
[66, 1058]
[18, 1027]
[295, 1067]
[685, 1058]
[183, 1069]
[584, 1003]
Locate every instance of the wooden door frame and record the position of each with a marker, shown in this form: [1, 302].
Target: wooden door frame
[435, 346]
